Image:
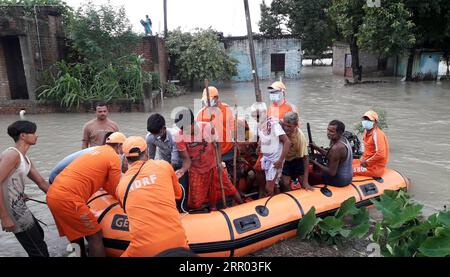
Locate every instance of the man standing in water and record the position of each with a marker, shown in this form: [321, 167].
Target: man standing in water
[14, 214]
[95, 130]
[339, 171]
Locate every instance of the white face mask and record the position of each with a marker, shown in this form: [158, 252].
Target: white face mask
[275, 97]
[213, 102]
[367, 124]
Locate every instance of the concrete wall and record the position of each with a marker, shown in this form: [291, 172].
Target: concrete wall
[34, 107]
[369, 62]
[425, 65]
[339, 51]
[4, 84]
[238, 48]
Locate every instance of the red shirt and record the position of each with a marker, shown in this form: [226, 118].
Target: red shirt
[199, 148]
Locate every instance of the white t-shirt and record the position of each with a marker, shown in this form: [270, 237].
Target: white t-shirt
[269, 133]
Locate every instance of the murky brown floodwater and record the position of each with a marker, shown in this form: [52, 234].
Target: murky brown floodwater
[418, 115]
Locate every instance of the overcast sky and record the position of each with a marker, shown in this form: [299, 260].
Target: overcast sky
[227, 16]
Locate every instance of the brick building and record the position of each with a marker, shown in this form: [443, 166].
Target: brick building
[31, 41]
[153, 49]
[28, 46]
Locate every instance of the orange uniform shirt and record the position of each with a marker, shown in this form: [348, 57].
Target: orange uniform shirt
[376, 148]
[67, 196]
[376, 153]
[88, 173]
[223, 121]
[155, 223]
[281, 110]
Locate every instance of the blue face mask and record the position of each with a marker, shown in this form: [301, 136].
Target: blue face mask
[367, 124]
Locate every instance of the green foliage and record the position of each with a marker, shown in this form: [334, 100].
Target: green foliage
[29, 7]
[155, 80]
[307, 223]
[382, 121]
[270, 24]
[101, 34]
[199, 56]
[403, 233]
[432, 21]
[101, 66]
[74, 84]
[177, 42]
[171, 90]
[305, 19]
[348, 16]
[387, 30]
[334, 229]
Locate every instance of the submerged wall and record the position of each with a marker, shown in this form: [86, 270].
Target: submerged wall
[290, 48]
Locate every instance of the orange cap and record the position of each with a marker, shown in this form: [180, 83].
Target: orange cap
[278, 86]
[116, 137]
[373, 116]
[213, 92]
[134, 146]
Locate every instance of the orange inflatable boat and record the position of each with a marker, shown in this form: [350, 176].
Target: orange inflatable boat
[246, 228]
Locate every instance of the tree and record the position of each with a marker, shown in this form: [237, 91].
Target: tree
[432, 27]
[305, 19]
[177, 42]
[387, 30]
[199, 56]
[102, 34]
[270, 24]
[29, 7]
[348, 15]
[309, 21]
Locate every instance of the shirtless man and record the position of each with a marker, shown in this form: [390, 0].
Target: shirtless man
[338, 171]
[95, 130]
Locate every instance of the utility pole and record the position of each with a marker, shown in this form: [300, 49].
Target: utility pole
[165, 18]
[252, 53]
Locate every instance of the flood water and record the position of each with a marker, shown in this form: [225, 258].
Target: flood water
[418, 115]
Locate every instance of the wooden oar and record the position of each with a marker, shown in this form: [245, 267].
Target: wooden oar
[216, 146]
[235, 146]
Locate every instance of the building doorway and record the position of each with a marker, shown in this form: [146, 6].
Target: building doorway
[277, 63]
[14, 67]
[348, 71]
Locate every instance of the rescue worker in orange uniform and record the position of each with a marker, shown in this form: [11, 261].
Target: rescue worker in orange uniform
[222, 118]
[280, 106]
[67, 196]
[376, 149]
[147, 193]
